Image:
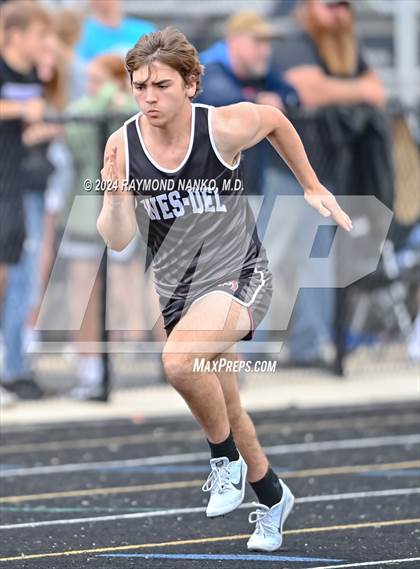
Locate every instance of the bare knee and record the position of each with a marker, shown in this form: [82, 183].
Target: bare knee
[178, 369]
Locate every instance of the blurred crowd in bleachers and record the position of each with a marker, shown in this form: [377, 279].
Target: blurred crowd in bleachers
[60, 63]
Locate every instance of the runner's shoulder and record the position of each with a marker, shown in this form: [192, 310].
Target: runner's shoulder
[232, 125]
[239, 117]
[234, 113]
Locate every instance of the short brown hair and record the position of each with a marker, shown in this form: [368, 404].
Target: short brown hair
[171, 47]
[21, 14]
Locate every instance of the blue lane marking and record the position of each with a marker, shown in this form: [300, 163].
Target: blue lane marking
[415, 472]
[10, 466]
[203, 556]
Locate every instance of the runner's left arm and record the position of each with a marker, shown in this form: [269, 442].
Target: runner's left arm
[241, 126]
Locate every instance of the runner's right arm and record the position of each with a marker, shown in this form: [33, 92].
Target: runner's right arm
[117, 222]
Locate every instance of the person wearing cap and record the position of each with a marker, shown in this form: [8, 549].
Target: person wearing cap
[239, 68]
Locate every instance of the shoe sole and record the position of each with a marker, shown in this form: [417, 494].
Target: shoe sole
[222, 513]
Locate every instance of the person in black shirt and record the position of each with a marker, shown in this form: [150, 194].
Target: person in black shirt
[21, 102]
[24, 24]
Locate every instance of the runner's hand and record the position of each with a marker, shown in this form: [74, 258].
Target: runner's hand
[324, 202]
[110, 172]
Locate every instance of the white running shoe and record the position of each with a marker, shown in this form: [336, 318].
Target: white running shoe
[268, 534]
[226, 484]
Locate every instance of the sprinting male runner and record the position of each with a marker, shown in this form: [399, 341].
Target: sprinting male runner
[177, 169]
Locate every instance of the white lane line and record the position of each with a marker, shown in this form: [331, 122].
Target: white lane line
[184, 511]
[371, 442]
[390, 419]
[154, 437]
[370, 563]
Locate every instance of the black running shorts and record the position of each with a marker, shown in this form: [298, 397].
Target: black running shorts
[253, 292]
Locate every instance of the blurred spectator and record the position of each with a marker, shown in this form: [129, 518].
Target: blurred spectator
[70, 80]
[24, 27]
[324, 63]
[68, 26]
[108, 90]
[23, 280]
[108, 30]
[323, 59]
[240, 68]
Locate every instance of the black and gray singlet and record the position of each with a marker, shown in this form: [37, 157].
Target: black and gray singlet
[195, 219]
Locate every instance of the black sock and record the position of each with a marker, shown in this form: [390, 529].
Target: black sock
[268, 489]
[226, 448]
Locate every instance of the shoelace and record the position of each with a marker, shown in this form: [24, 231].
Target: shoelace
[217, 479]
[258, 518]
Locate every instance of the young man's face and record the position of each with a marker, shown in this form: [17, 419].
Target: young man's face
[160, 92]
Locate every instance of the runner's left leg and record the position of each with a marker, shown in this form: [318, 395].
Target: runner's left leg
[242, 427]
[275, 499]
